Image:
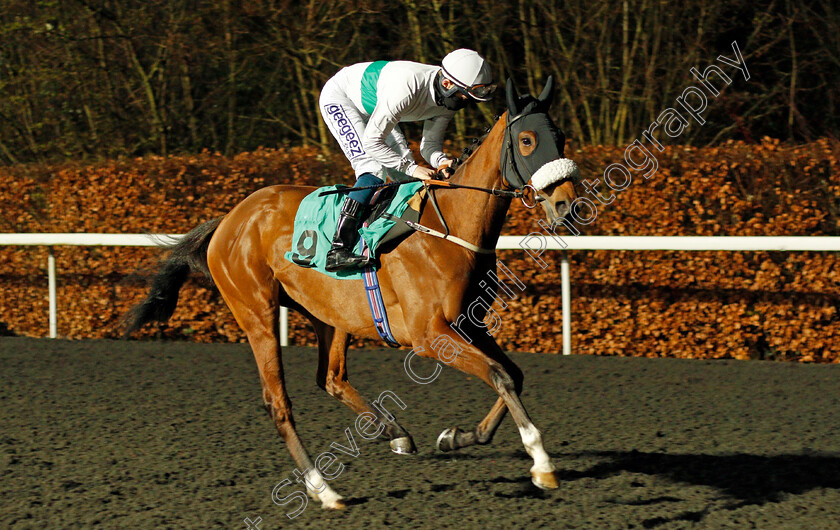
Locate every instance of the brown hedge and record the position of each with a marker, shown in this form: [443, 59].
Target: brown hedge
[665, 304]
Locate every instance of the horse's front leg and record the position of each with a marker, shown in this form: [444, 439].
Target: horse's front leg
[497, 370]
[453, 437]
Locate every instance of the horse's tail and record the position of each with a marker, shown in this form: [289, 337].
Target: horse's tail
[188, 254]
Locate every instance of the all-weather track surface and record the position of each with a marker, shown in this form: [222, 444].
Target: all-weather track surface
[108, 434]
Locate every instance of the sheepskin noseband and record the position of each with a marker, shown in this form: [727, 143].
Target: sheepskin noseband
[555, 171]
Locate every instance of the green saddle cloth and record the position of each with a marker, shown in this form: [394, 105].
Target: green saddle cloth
[316, 220]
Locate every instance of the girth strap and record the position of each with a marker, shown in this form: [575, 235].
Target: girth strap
[374, 296]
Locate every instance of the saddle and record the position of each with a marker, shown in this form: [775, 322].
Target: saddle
[317, 216]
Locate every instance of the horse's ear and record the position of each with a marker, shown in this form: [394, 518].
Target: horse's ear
[547, 93]
[512, 98]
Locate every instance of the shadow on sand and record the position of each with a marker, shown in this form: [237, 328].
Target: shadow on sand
[747, 479]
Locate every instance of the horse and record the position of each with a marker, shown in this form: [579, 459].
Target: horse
[426, 284]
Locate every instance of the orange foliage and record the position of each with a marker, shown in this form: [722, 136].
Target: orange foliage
[661, 304]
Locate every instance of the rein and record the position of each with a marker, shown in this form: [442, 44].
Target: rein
[526, 192]
[498, 193]
[429, 182]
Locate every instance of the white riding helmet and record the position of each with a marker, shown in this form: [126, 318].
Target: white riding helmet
[470, 72]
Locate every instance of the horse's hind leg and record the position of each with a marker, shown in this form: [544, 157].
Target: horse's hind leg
[454, 438]
[332, 377]
[253, 300]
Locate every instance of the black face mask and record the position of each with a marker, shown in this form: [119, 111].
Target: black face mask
[455, 103]
[529, 113]
[449, 98]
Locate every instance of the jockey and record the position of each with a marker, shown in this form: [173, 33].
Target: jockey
[363, 105]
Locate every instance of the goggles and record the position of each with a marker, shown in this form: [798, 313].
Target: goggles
[481, 92]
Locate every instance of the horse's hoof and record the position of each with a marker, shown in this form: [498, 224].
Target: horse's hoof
[403, 446]
[330, 500]
[337, 504]
[545, 480]
[446, 440]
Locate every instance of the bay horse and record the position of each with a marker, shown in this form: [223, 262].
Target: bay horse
[426, 284]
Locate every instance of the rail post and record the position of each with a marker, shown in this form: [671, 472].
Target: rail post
[566, 297]
[52, 290]
[284, 326]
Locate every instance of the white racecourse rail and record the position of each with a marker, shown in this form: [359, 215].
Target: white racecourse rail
[687, 243]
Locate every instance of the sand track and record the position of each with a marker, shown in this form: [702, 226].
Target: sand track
[156, 435]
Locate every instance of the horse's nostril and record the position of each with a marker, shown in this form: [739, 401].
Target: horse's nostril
[562, 208]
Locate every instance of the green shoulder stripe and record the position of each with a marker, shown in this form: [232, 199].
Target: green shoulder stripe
[369, 80]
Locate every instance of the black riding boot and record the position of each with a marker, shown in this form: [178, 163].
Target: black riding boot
[341, 255]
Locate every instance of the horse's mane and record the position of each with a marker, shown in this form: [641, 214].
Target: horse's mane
[474, 145]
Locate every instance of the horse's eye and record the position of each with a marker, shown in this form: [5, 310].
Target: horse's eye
[526, 142]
